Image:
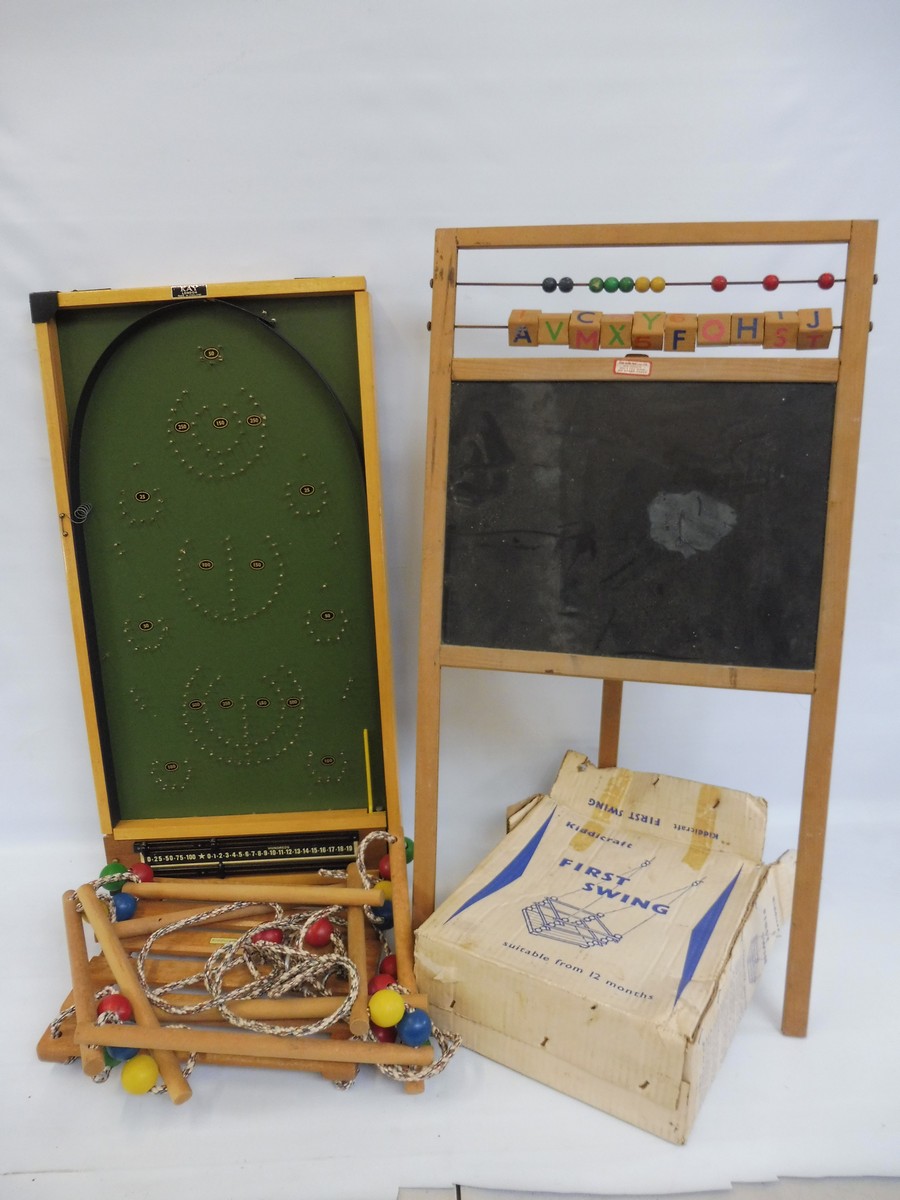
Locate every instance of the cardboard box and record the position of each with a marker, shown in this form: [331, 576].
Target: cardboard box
[609, 945]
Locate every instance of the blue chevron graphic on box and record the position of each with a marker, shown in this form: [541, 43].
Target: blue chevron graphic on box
[513, 870]
[700, 935]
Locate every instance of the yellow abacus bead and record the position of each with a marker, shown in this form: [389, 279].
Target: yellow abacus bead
[386, 1008]
[642, 284]
[140, 1074]
[657, 284]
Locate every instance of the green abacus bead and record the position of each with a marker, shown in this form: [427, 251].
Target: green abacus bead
[114, 868]
[611, 284]
[626, 284]
[108, 1059]
[596, 284]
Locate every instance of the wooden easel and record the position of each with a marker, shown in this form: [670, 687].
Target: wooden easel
[819, 681]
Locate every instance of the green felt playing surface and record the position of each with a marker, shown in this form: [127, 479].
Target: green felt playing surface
[225, 557]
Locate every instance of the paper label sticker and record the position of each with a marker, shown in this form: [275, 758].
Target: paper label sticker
[632, 366]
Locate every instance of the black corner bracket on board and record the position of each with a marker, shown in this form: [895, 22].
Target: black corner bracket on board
[44, 305]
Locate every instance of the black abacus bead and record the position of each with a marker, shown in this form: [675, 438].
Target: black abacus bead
[549, 284]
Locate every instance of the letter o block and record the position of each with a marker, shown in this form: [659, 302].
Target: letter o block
[714, 329]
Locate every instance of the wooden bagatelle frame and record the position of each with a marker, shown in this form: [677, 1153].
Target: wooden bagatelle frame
[820, 682]
[48, 311]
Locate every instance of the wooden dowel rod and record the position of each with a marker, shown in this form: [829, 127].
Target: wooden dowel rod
[403, 937]
[126, 977]
[144, 926]
[261, 1045]
[226, 890]
[356, 950]
[83, 990]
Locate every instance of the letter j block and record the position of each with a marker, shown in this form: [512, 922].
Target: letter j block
[814, 329]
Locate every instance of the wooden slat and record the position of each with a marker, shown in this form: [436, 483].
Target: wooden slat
[723, 233]
[245, 824]
[103, 297]
[524, 368]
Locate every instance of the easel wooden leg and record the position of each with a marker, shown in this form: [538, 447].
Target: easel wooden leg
[427, 755]
[810, 856]
[610, 722]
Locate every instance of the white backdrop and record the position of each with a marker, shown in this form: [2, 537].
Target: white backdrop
[213, 140]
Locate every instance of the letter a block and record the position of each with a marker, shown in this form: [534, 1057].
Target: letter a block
[648, 330]
[781, 331]
[615, 331]
[553, 329]
[681, 331]
[747, 329]
[714, 329]
[584, 331]
[815, 328]
[523, 326]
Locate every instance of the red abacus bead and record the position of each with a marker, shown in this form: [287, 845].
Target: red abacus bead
[389, 965]
[826, 281]
[319, 933]
[275, 936]
[117, 1004]
[718, 283]
[384, 867]
[381, 1034]
[378, 982]
[143, 872]
[771, 282]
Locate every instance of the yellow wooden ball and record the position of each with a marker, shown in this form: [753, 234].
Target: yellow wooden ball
[657, 284]
[140, 1074]
[642, 284]
[386, 1008]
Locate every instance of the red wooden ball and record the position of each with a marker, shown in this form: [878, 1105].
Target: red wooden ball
[384, 867]
[116, 1003]
[378, 982]
[718, 283]
[389, 965]
[319, 933]
[275, 936]
[381, 1034]
[826, 281]
[142, 871]
[771, 282]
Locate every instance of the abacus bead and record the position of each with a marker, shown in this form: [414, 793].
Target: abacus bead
[410, 849]
[386, 1008]
[718, 283]
[384, 915]
[596, 284]
[657, 284]
[384, 867]
[381, 1034]
[389, 965]
[140, 1075]
[143, 872]
[549, 284]
[414, 1028]
[626, 284]
[379, 982]
[611, 284]
[566, 284]
[113, 868]
[771, 282]
[826, 280]
[125, 906]
[275, 936]
[319, 933]
[116, 1003]
[642, 284]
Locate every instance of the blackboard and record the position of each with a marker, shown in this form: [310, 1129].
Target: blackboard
[676, 520]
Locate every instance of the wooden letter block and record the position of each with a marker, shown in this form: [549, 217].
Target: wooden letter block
[648, 330]
[714, 329]
[781, 331]
[523, 326]
[553, 329]
[615, 331]
[681, 331]
[584, 331]
[747, 329]
[815, 328]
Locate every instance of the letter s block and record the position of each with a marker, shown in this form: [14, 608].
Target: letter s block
[815, 328]
[648, 330]
[523, 326]
[681, 332]
[781, 331]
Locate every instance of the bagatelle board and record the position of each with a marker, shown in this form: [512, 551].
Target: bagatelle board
[216, 469]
